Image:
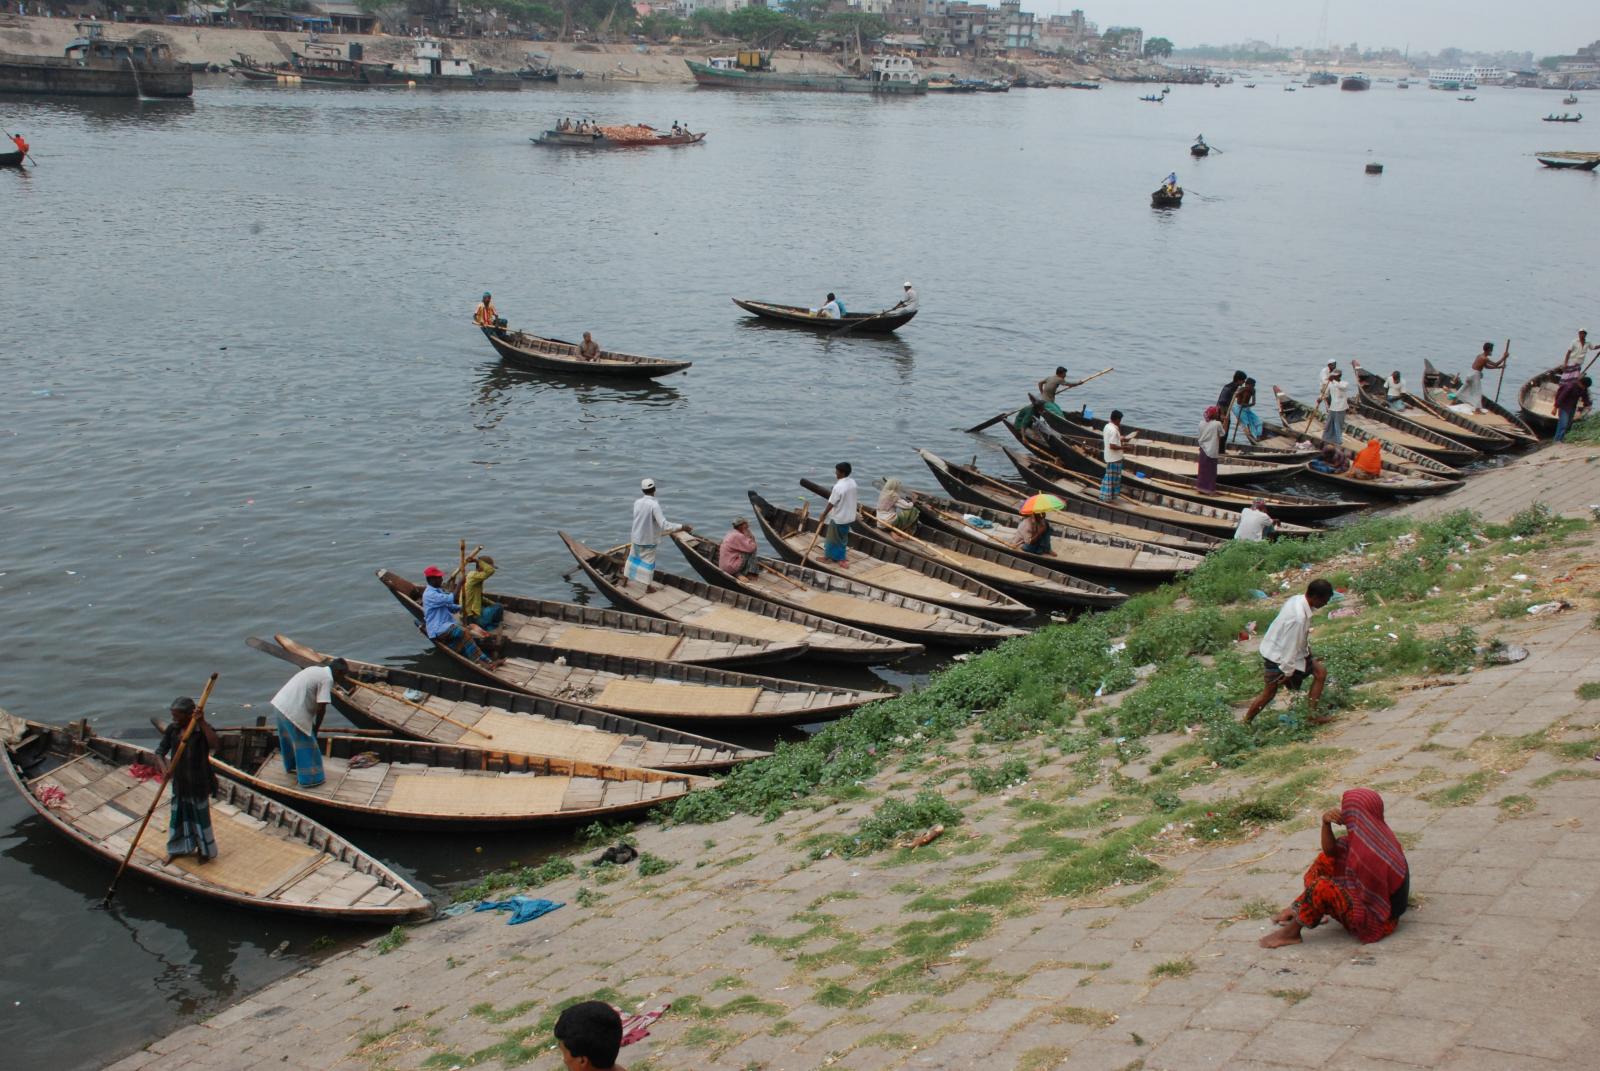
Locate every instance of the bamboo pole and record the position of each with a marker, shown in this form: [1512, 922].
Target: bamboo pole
[1505, 357]
[419, 706]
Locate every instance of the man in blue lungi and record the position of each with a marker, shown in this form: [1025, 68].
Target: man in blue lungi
[301, 704]
[649, 524]
[843, 509]
[192, 782]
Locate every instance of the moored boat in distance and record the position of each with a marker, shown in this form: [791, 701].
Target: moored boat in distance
[430, 68]
[883, 322]
[1569, 161]
[94, 65]
[318, 65]
[751, 69]
[636, 136]
[1355, 82]
[1564, 118]
[540, 354]
[1440, 389]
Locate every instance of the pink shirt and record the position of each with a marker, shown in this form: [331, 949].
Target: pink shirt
[735, 548]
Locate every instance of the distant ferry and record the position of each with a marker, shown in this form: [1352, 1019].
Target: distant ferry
[1453, 78]
[753, 70]
[1356, 82]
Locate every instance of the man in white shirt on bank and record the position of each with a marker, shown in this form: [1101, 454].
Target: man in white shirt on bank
[1255, 524]
[843, 509]
[649, 523]
[1286, 650]
[1579, 350]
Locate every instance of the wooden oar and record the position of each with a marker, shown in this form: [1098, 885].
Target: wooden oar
[177, 754]
[806, 512]
[1505, 356]
[786, 579]
[418, 706]
[922, 543]
[474, 554]
[461, 571]
[992, 421]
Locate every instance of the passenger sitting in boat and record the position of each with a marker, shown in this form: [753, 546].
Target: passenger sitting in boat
[833, 309]
[1394, 392]
[894, 508]
[439, 610]
[1368, 464]
[736, 554]
[1029, 414]
[474, 609]
[1332, 460]
[486, 316]
[589, 349]
[1033, 534]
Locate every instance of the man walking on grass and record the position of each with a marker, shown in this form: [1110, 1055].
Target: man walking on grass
[1286, 650]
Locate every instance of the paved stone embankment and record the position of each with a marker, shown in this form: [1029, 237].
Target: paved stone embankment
[777, 961]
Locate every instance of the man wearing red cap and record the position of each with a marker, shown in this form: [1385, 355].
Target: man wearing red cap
[439, 610]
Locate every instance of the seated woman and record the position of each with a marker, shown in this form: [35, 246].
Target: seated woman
[1033, 534]
[1331, 460]
[736, 555]
[1361, 880]
[1368, 464]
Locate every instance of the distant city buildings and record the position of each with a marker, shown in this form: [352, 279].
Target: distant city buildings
[956, 26]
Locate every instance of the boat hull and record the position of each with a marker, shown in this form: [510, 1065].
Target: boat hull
[553, 358]
[796, 82]
[56, 77]
[876, 323]
[564, 139]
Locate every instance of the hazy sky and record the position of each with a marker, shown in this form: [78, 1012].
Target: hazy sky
[1544, 27]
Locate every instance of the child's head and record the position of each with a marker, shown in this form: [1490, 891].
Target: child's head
[589, 1034]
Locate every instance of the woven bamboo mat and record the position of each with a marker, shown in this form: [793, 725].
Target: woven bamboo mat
[987, 569]
[492, 794]
[649, 698]
[532, 736]
[745, 623]
[608, 642]
[906, 581]
[251, 861]
[833, 604]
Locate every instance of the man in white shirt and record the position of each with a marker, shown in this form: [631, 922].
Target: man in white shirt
[1255, 524]
[908, 303]
[649, 524]
[1286, 650]
[1579, 349]
[1338, 395]
[301, 704]
[1114, 437]
[832, 309]
[843, 509]
[1327, 371]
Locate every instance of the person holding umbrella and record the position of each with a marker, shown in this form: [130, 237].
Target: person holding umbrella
[1033, 534]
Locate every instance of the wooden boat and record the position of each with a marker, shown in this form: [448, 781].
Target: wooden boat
[792, 535]
[1080, 426]
[270, 856]
[1393, 481]
[1569, 161]
[1381, 423]
[445, 710]
[1422, 412]
[1199, 149]
[409, 785]
[1439, 387]
[967, 484]
[1162, 199]
[669, 692]
[679, 598]
[1183, 461]
[1073, 550]
[1564, 118]
[1537, 400]
[597, 139]
[1087, 461]
[1017, 576]
[883, 322]
[569, 627]
[11, 159]
[1045, 474]
[851, 601]
[94, 65]
[1400, 457]
[523, 350]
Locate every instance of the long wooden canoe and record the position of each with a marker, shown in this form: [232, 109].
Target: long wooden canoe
[537, 353]
[1366, 422]
[1294, 416]
[570, 627]
[792, 535]
[883, 322]
[1537, 399]
[681, 598]
[1043, 474]
[1183, 462]
[1439, 389]
[1078, 425]
[668, 692]
[445, 710]
[1037, 585]
[850, 601]
[968, 484]
[269, 857]
[1072, 550]
[1420, 411]
[406, 784]
[1393, 480]
[1087, 461]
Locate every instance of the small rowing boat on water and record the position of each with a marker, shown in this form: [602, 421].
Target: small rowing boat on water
[1076, 424]
[615, 137]
[793, 535]
[1420, 411]
[11, 159]
[1564, 118]
[679, 598]
[445, 710]
[851, 601]
[540, 354]
[1537, 400]
[1569, 161]
[1439, 388]
[269, 856]
[382, 783]
[1162, 198]
[865, 323]
[1088, 461]
[968, 484]
[1373, 422]
[570, 627]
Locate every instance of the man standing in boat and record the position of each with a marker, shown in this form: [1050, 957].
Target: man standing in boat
[1338, 395]
[1473, 387]
[1225, 405]
[1051, 385]
[1114, 438]
[189, 819]
[843, 507]
[649, 524]
[301, 705]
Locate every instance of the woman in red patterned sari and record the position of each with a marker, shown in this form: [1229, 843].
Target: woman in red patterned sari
[1361, 879]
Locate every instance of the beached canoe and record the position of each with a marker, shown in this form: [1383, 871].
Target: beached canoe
[1393, 480]
[1044, 474]
[1537, 400]
[1076, 424]
[794, 536]
[1037, 585]
[1374, 423]
[882, 322]
[668, 692]
[1086, 459]
[1183, 462]
[850, 601]
[1439, 389]
[270, 856]
[445, 710]
[1422, 412]
[570, 627]
[680, 598]
[383, 783]
[968, 484]
[1294, 417]
[539, 354]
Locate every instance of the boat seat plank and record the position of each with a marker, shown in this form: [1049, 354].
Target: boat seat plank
[517, 732]
[490, 795]
[661, 697]
[614, 642]
[745, 623]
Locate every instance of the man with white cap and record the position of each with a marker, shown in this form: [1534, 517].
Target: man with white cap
[649, 524]
[909, 302]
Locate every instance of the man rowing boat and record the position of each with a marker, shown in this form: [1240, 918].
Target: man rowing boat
[1473, 386]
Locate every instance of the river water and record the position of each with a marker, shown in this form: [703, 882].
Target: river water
[239, 374]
